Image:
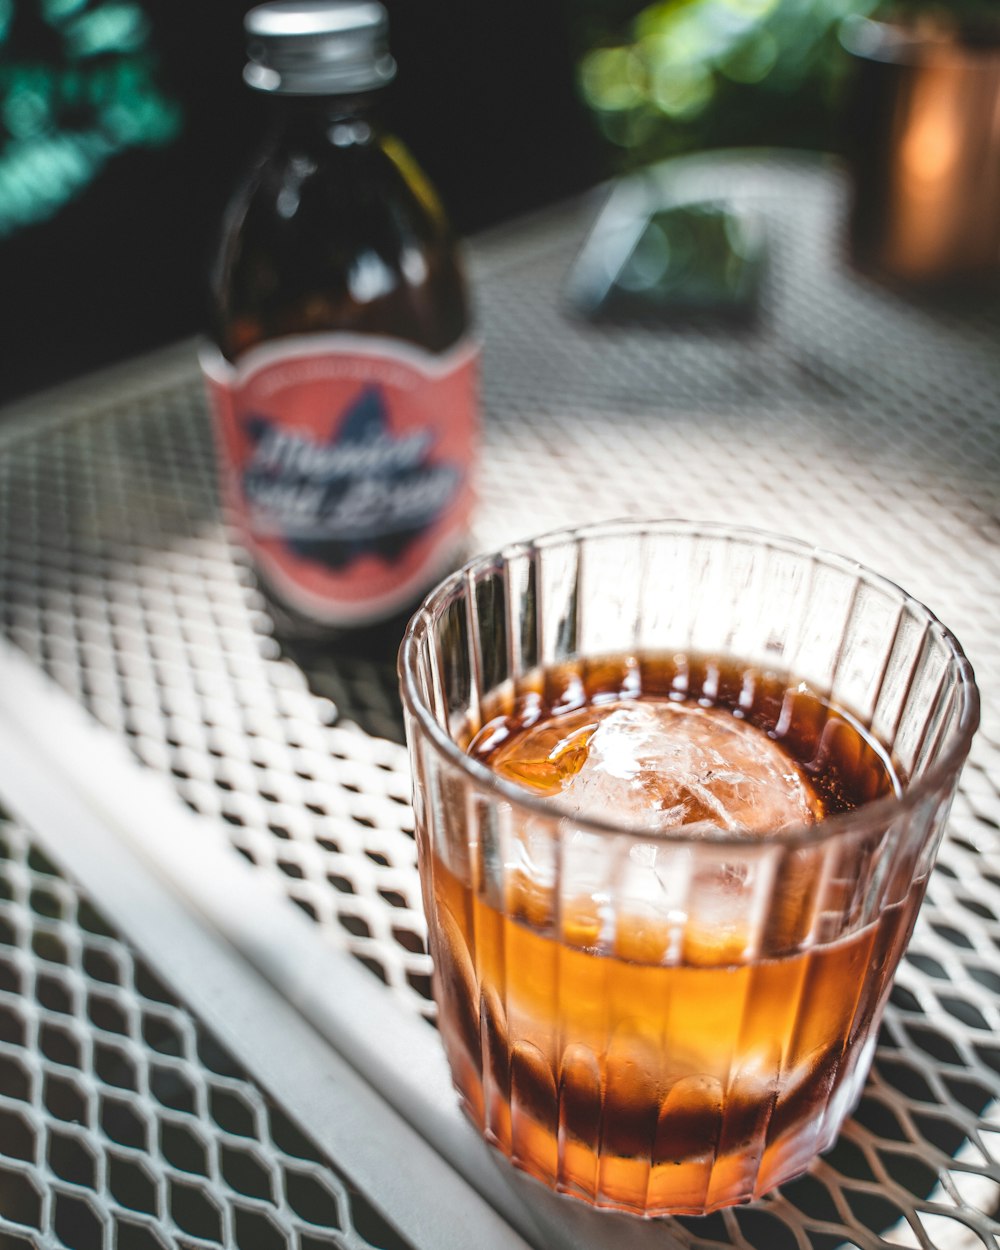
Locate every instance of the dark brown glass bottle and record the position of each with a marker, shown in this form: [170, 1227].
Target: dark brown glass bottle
[341, 367]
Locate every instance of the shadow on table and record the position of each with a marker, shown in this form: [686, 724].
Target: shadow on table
[360, 681]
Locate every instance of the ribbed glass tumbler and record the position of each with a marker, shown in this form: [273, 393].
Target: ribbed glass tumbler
[662, 1018]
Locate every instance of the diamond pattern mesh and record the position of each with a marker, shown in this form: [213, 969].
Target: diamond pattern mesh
[123, 1123]
[850, 416]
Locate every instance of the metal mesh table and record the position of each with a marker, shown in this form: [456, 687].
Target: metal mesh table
[861, 419]
[123, 1121]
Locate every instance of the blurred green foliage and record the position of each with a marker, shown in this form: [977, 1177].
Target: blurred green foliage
[77, 86]
[692, 74]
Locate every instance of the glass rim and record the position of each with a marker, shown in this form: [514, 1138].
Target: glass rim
[870, 816]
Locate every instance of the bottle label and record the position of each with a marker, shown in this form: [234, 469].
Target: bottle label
[345, 464]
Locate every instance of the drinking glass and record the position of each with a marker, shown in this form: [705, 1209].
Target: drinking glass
[670, 1022]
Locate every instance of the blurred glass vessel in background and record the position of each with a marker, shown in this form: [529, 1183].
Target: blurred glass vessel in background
[924, 147]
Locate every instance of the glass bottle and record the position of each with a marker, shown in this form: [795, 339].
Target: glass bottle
[340, 364]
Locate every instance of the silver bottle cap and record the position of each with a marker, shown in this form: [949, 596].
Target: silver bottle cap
[318, 47]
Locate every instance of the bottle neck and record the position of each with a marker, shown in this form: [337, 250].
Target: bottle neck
[344, 120]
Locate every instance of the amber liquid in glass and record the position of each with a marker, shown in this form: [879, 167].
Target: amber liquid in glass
[661, 1066]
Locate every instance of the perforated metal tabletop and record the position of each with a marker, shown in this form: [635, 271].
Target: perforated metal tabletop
[214, 985]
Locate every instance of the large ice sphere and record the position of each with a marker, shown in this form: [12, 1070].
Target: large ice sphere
[662, 765]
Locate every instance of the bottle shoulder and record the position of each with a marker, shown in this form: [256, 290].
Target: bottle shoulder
[327, 235]
[351, 165]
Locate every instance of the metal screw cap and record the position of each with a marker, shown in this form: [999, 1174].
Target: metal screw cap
[318, 47]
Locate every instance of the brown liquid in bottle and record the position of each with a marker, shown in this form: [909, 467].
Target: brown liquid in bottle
[332, 199]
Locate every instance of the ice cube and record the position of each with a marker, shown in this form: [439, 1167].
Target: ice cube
[663, 765]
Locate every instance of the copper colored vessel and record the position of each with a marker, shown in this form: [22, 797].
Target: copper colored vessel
[924, 147]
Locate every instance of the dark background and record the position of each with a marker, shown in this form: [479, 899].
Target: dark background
[485, 97]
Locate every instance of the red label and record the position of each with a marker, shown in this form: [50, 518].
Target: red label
[346, 466]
